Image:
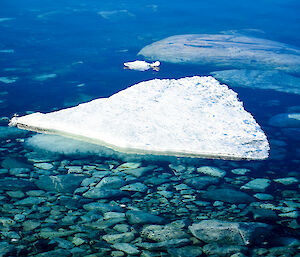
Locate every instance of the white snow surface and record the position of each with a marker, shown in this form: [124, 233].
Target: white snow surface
[192, 116]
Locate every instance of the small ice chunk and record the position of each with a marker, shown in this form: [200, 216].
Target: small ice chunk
[44, 77]
[142, 65]
[192, 116]
[8, 80]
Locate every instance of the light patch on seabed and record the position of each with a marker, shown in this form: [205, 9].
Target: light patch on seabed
[8, 80]
[8, 51]
[44, 77]
[115, 14]
[6, 19]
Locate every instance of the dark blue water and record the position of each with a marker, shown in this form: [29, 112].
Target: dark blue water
[85, 43]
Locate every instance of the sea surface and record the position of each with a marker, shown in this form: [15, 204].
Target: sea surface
[61, 197]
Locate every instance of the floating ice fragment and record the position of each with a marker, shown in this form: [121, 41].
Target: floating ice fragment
[142, 65]
[268, 79]
[192, 116]
[225, 50]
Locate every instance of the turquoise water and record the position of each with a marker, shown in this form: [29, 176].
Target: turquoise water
[55, 55]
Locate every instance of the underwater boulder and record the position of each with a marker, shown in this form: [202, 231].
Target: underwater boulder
[226, 51]
[285, 120]
[260, 79]
[192, 116]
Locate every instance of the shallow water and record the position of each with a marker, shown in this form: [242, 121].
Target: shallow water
[57, 55]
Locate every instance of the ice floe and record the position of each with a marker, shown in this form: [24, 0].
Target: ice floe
[142, 65]
[268, 79]
[225, 50]
[192, 116]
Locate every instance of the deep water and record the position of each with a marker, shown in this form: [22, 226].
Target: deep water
[83, 45]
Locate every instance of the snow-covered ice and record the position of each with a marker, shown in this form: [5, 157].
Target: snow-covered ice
[192, 116]
[225, 50]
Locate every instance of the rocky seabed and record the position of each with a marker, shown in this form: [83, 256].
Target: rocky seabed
[55, 205]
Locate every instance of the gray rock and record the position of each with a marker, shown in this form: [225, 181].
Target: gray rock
[162, 233]
[264, 215]
[186, 251]
[287, 181]
[113, 215]
[240, 171]
[119, 238]
[232, 50]
[212, 171]
[112, 182]
[228, 196]
[173, 243]
[140, 217]
[230, 233]
[102, 207]
[227, 250]
[126, 248]
[258, 184]
[29, 201]
[201, 182]
[269, 79]
[100, 193]
[16, 184]
[56, 253]
[5, 248]
[139, 172]
[60, 183]
[11, 132]
[10, 163]
[19, 217]
[43, 165]
[15, 194]
[264, 197]
[135, 187]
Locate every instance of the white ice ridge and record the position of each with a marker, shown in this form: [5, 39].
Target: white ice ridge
[192, 116]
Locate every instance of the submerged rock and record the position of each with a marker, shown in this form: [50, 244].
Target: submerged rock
[192, 116]
[225, 50]
[140, 217]
[259, 79]
[286, 120]
[230, 233]
[60, 183]
[228, 196]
